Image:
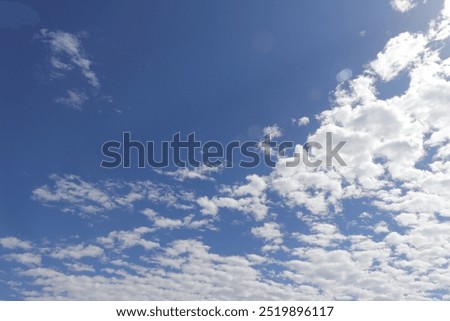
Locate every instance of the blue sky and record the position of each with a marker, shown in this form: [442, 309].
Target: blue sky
[75, 75]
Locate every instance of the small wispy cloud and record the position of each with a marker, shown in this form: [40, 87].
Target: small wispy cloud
[74, 99]
[302, 121]
[67, 53]
[202, 173]
[67, 57]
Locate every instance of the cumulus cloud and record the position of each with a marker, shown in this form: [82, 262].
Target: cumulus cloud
[12, 242]
[403, 5]
[302, 121]
[249, 198]
[273, 131]
[68, 58]
[271, 233]
[323, 235]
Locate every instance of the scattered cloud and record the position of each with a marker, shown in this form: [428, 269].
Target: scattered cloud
[12, 242]
[24, 258]
[202, 173]
[67, 53]
[77, 252]
[74, 98]
[274, 131]
[403, 5]
[324, 235]
[302, 121]
[249, 198]
[189, 221]
[271, 233]
[400, 52]
[74, 195]
[68, 59]
[127, 239]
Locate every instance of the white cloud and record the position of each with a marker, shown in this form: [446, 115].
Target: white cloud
[400, 52]
[127, 239]
[67, 53]
[202, 173]
[12, 242]
[189, 270]
[274, 131]
[195, 274]
[77, 252]
[248, 198]
[315, 189]
[381, 227]
[163, 222]
[77, 267]
[24, 258]
[255, 187]
[385, 138]
[302, 121]
[403, 5]
[188, 221]
[75, 195]
[151, 214]
[209, 207]
[440, 27]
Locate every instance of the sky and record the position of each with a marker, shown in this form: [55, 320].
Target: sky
[375, 74]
